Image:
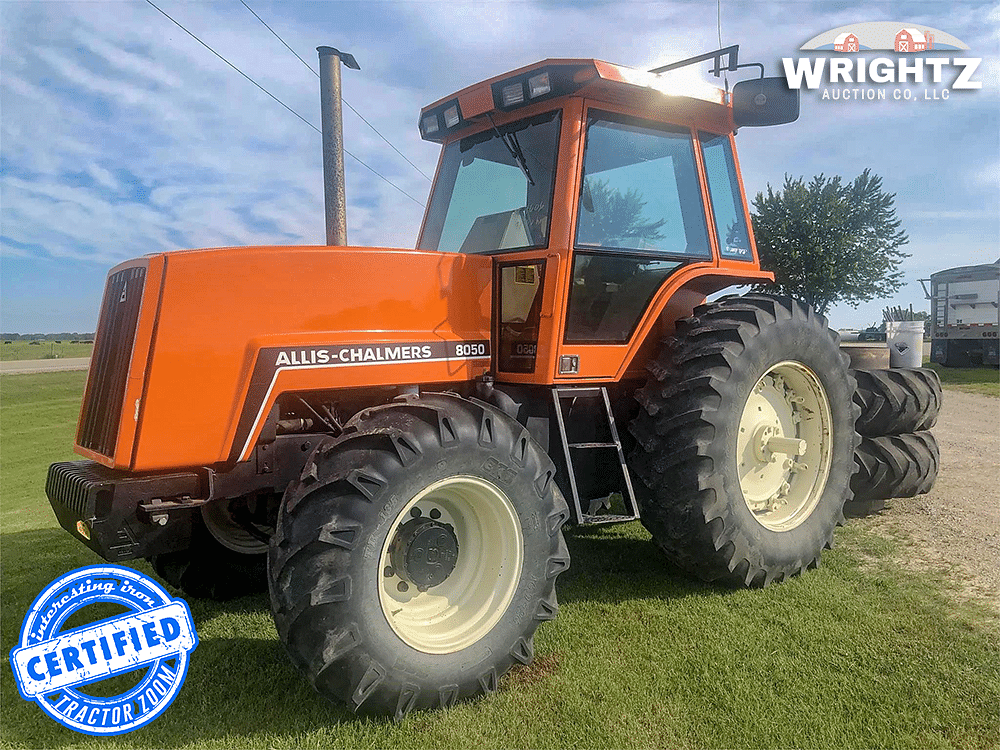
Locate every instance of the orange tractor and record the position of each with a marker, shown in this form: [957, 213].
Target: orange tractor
[392, 440]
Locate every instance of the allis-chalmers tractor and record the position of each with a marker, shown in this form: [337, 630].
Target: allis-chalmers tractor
[392, 440]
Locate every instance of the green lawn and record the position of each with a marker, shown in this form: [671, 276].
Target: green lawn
[985, 380]
[17, 350]
[857, 653]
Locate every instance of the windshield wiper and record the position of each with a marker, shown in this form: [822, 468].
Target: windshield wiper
[514, 147]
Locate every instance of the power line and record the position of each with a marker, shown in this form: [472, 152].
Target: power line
[237, 69]
[280, 39]
[347, 103]
[370, 169]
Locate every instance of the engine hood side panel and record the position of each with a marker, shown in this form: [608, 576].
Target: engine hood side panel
[239, 326]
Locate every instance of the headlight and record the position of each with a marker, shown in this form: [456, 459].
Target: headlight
[429, 124]
[512, 94]
[539, 85]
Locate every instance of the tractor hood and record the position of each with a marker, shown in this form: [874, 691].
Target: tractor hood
[219, 334]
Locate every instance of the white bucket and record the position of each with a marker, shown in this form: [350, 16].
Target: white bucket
[905, 339]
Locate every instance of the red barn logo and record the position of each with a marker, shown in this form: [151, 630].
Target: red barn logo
[912, 40]
[845, 43]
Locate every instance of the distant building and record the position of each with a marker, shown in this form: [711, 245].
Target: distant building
[846, 43]
[913, 40]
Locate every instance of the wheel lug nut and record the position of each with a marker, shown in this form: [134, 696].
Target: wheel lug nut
[415, 512]
[388, 572]
[402, 587]
[435, 513]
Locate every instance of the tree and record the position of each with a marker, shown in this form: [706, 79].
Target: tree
[830, 242]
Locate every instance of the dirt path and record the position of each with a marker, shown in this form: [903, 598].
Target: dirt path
[24, 366]
[956, 526]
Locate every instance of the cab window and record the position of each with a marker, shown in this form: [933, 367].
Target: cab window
[494, 189]
[724, 189]
[640, 189]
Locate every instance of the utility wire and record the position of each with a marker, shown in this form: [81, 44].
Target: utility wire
[370, 169]
[237, 70]
[279, 38]
[347, 103]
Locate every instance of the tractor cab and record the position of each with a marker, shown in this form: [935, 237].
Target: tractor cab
[594, 184]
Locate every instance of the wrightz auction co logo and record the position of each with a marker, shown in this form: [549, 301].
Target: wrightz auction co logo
[846, 77]
[54, 663]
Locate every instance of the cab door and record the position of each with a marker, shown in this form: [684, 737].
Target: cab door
[641, 223]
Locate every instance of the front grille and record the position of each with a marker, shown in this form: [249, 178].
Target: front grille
[109, 364]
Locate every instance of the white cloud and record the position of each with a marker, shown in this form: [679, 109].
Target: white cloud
[988, 175]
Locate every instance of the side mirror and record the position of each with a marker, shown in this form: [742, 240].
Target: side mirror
[764, 101]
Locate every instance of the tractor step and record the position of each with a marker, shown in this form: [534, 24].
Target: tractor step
[589, 520]
[564, 394]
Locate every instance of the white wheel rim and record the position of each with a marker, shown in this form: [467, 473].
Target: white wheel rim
[785, 446]
[231, 535]
[464, 607]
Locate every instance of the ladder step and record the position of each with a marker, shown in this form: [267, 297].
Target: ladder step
[628, 497]
[575, 392]
[592, 520]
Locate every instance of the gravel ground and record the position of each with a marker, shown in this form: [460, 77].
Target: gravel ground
[956, 526]
[25, 366]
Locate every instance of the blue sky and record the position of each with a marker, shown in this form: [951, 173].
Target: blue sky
[122, 136]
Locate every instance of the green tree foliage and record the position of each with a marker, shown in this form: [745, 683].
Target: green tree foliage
[827, 241]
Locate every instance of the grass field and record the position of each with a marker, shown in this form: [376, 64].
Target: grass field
[985, 380]
[858, 653]
[18, 350]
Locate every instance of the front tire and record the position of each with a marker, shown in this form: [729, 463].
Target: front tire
[746, 441]
[417, 555]
[225, 560]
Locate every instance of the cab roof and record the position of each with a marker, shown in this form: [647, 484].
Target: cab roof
[555, 77]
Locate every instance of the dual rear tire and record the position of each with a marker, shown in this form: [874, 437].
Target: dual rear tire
[897, 457]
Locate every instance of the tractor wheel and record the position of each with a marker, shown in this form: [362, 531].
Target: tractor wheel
[225, 559]
[417, 554]
[895, 466]
[897, 401]
[746, 441]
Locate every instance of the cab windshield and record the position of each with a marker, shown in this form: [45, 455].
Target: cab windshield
[494, 189]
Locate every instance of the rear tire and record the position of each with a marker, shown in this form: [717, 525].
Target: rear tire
[745, 380]
[895, 466]
[417, 554]
[897, 401]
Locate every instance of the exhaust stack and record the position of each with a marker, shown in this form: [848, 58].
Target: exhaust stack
[333, 141]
